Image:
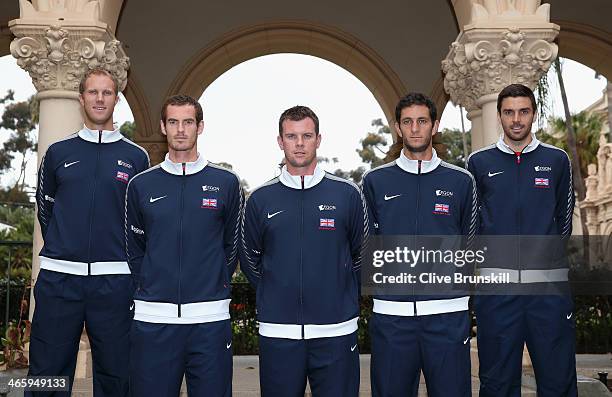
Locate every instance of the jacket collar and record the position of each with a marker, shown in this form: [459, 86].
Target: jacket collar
[94, 135]
[295, 181]
[190, 167]
[503, 146]
[412, 166]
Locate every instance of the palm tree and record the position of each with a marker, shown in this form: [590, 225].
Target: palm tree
[579, 185]
[587, 127]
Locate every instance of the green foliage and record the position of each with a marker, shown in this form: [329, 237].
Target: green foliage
[21, 218]
[588, 128]
[354, 175]
[450, 146]
[593, 324]
[14, 195]
[16, 336]
[372, 145]
[128, 129]
[371, 152]
[20, 118]
[542, 94]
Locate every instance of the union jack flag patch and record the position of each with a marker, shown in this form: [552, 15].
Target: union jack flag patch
[327, 224]
[209, 203]
[443, 209]
[541, 182]
[122, 176]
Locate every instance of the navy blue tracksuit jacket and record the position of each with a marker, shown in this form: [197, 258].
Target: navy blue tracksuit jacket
[81, 190]
[175, 215]
[421, 198]
[525, 194]
[301, 247]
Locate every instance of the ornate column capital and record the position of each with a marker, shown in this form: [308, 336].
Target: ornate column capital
[501, 45]
[56, 46]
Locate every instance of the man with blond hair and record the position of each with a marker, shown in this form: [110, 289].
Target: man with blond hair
[84, 276]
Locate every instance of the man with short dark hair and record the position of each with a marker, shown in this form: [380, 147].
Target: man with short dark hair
[302, 237]
[525, 189]
[420, 195]
[84, 276]
[182, 226]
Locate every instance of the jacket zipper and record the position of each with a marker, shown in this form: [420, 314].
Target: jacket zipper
[518, 172]
[302, 257]
[180, 256]
[93, 201]
[416, 223]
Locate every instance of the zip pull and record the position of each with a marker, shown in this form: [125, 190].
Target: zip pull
[419, 163]
[518, 157]
[100, 136]
[302, 178]
[184, 168]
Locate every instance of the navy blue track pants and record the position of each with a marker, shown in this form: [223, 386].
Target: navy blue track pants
[546, 324]
[437, 344]
[64, 302]
[331, 366]
[161, 354]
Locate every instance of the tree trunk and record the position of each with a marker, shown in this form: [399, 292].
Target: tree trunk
[609, 95]
[579, 184]
[465, 149]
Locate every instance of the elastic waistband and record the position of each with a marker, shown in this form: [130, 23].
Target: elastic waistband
[81, 268]
[421, 308]
[311, 331]
[528, 276]
[191, 313]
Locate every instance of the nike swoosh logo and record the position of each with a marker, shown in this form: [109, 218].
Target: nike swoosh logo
[228, 345]
[131, 307]
[274, 214]
[66, 165]
[387, 198]
[152, 200]
[353, 348]
[570, 316]
[495, 173]
[466, 341]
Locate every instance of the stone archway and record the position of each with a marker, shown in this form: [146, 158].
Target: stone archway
[588, 45]
[291, 37]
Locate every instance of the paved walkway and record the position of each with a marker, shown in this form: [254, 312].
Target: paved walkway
[246, 377]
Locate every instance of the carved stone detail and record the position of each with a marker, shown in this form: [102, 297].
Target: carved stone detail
[598, 201]
[56, 41]
[56, 59]
[83, 10]
[490, 10]
[474, 68]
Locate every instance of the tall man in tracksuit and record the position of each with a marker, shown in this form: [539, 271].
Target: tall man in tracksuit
[301, 248]
[182, 228]
[525, 188]
[418, 194]
[84, 276]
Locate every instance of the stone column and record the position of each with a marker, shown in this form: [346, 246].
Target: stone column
[475, 117]
[56, 43]
[505, 42]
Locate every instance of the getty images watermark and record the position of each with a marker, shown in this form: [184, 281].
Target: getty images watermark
[411, 258]
[487, 265]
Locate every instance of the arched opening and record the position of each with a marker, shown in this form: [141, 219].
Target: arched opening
[291, 37]
[243, 105]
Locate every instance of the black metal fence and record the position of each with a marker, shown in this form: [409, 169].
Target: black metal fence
[593, 313]
[15, 276]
